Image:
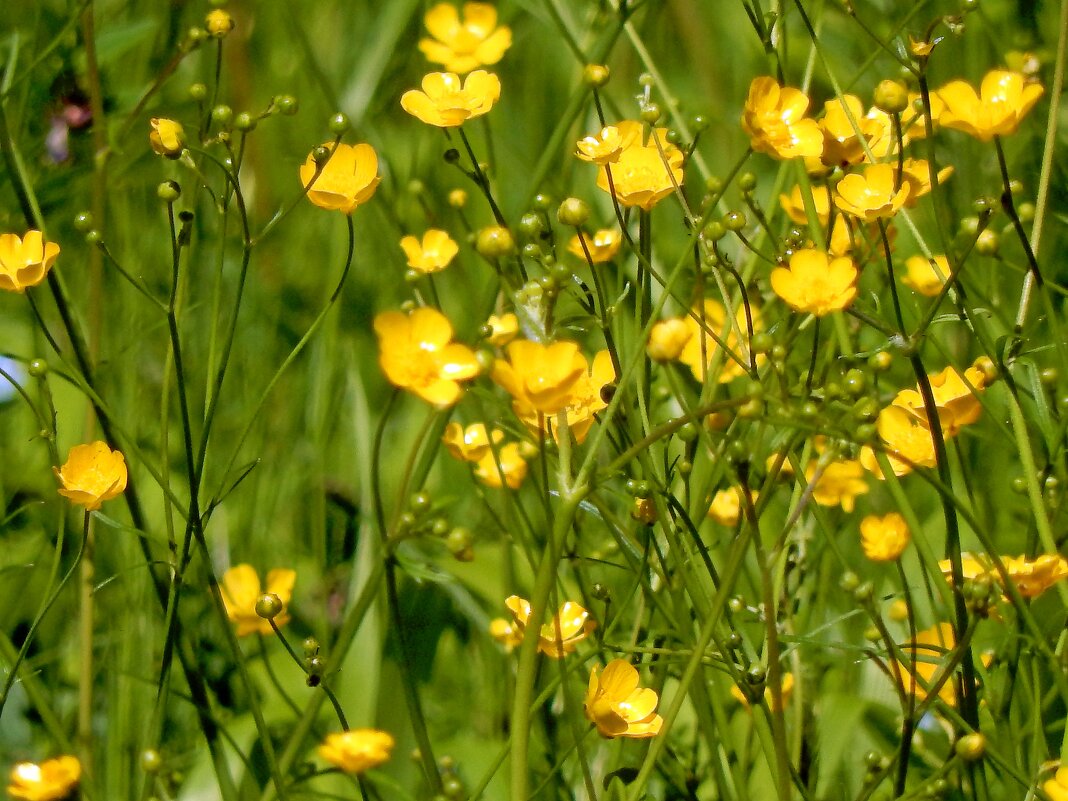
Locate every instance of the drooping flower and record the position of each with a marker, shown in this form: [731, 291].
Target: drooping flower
[1003, 100]
[884, 539]
[839, 484]
[603, 246]
[45, 781]
[167, 137]
[416, 352]
[505, 632]
[510, 472]
[559, 636]
[1032, 577]
[700, 344]
[464, 45]
[617, 706]
[601, 148]
[908, 443]
[787, 689]
[955, 397]
[241, 590]
[347, 179]
[667, 338]
[775, 122]
[356, 750]
[921, 275]
[503, 329]
[641, 176]
[872, 195]
[841, 145]
[917, 173]
[472, 443]
[816, 283]
[448, 102]
[92, 474]
[432, 254]
[539, 377]
[25, 261]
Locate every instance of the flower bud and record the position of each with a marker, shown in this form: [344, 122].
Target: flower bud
[495, 242]
[971, 747]
[339, 124]
[988, 243]
[222, 114]
[198, 92]
[38, 368]
[169, 191]
[573, 212]
[543, 202]
[151, 761]
[244, 122]
[311, 647]
[167, 137]
[287, 105]
[219, 23]
[457, 198]
[596, 75]
[891, 97]
[269, 606]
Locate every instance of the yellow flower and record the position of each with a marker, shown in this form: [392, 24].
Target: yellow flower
[726, 506]
[617, 706]
[872, 195]
[922, 276]
[841, 145]
[602, 247]
[1057, 787]
[503, 329]
[447, 102]
[348, 179]
[954, 397]
[167, 137]
[416, 352]
[774, 119]
[1003, 100]
[432, 254]
[602, 148]
[908, 443]
[884, 539]
[794, 205]
[539, 377]
[219, 22]
[769, 698]
[715, 319]
[1032, 577]
[241, 590]
[929, 664]
[505, 632]
[512, 470]
[917, 173]
[667, 338]
[356, 750]
[464, 46]
[92, 474]
[25, 261]
[457, 198]
[815, 282]
[839, 484]
[644, 510]
[472, 443]
[642, 176]
[46, 781]
[913, 120]
[559, 636]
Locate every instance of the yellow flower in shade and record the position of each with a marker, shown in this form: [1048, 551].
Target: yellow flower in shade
[841, 145]
[617, 706]
[913, 120]
[25, 261]
[815, 282]
[505, 632]
[667, 338]
[794, 205]
[601, 148]
[467, 44]
[241, 590]
[219, 22]
[871, 195]
[641, 176]
[416, 352]
[775, 122]
[603, 246]
[917, 174]
[560, 635]
[357, 750]
[726, 506]
[472, 443]
[167, 137]
[715, 319]
[955, 397]
[503, 329]
[839, 484]
[884, 539]
[448, 102]
[46, 781]
[432, 254]
[92, 474]
[1032, 577]
[348, 179]
[908, 443]
[769, 698]
[922, 276]
[1003, 100]
[1057, 787]
[540, 378]
[931, 648]
[511, 472]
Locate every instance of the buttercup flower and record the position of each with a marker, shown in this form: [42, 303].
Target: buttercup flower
[539, 377]
[219, 22]
[1032, 577]
[241, 590]
[841, 145]
[617, 706]
[25, 261]
[348, 179]
[432, 254]
[92, 474]
[774, 119]
[726, 506]
[447, 102]
[1003, 100]
[356, 750]
[167, 137]
[913, 120]
[46, 781]
[715, 319]
[930, 663]
[601, 148]
[462, 46]
[871, 196]
[815, 282]
[769, 697]
[885, 538]
[908, 443]
[505, 632]
[1057, 787]
[511, 472]
[839, 484]
[642, 176]
[416, 352]
[469, 444]
[603, 246]
[794, 205]
[921, 275]
[559, 636]
[917, 173]
[955, 397]
[667, 338]
[503, 329]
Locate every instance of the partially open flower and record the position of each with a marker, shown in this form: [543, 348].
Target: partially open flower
[241, 591]
[884, 539]
[503, 329]
[167, 137]
[794, 205]
[45, 781]
[602, 246]
[601, 148]
[432, 254]
[472, 443]
[645, 172]
[839, 484]
[917, 173]
[667, 339]
[507, 469]
[506, 632]
[92, 474]
[467, 44]
[448, 102]
[922, 276]
[872, 195]
[617, 706]
[25, 261]
[356, 750]
[219, 22]
[841, 145]
[348, 179]
[815, 282]
[559, 636]
[1003, 100]
[774, 119]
